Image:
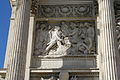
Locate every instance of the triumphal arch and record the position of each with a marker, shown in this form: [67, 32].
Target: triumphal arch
[63, 40]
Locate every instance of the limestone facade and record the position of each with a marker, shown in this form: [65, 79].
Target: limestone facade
[63, 40]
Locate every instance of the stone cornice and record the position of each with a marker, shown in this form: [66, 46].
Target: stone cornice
[12, 3]
[3, 72]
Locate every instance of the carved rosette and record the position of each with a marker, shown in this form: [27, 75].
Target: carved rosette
[82, 10]
[48, 11]
[73, 10]
[64, 10]
[71, 38]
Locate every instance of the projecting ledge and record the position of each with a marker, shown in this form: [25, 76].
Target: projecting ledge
[3, 72]
[94, 70]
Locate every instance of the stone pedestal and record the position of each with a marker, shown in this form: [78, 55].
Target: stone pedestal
[17, 43]
[108, 47]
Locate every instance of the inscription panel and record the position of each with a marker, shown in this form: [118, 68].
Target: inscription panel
[83, 62]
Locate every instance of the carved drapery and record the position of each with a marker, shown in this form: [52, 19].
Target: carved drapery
[77, 38]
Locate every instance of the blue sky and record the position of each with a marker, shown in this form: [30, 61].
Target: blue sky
[5, 13]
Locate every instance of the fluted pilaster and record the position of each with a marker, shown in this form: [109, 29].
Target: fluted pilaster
[17, 42]
[108, 47]
[7, 56]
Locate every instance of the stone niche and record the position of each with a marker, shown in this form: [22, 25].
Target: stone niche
[65, 38]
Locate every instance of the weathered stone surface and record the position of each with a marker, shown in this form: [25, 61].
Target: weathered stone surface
[81, 62]
[72, 38]
[17, 45]
[66, 41]
[108, 37]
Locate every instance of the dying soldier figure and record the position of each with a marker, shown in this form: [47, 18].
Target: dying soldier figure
[55, 38]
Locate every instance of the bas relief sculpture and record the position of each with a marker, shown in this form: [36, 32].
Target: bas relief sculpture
[65, 38]
[118, 32]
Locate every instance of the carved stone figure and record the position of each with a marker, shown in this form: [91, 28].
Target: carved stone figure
[90, 30]
[74, 33]
[64, 75]
[74, 78]
[65, 29]
[55, 38]
[51, 78]
[87, 36]
[54, 78]
[69, 38]
[41, 39]
[82, 46]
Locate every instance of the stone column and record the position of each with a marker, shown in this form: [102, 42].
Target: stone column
[17, 45]
[12, 19]
[108, 39]
[30, 46]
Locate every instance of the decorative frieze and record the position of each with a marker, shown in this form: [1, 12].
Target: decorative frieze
[72, 10]
[65, 38]
[72, 76]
